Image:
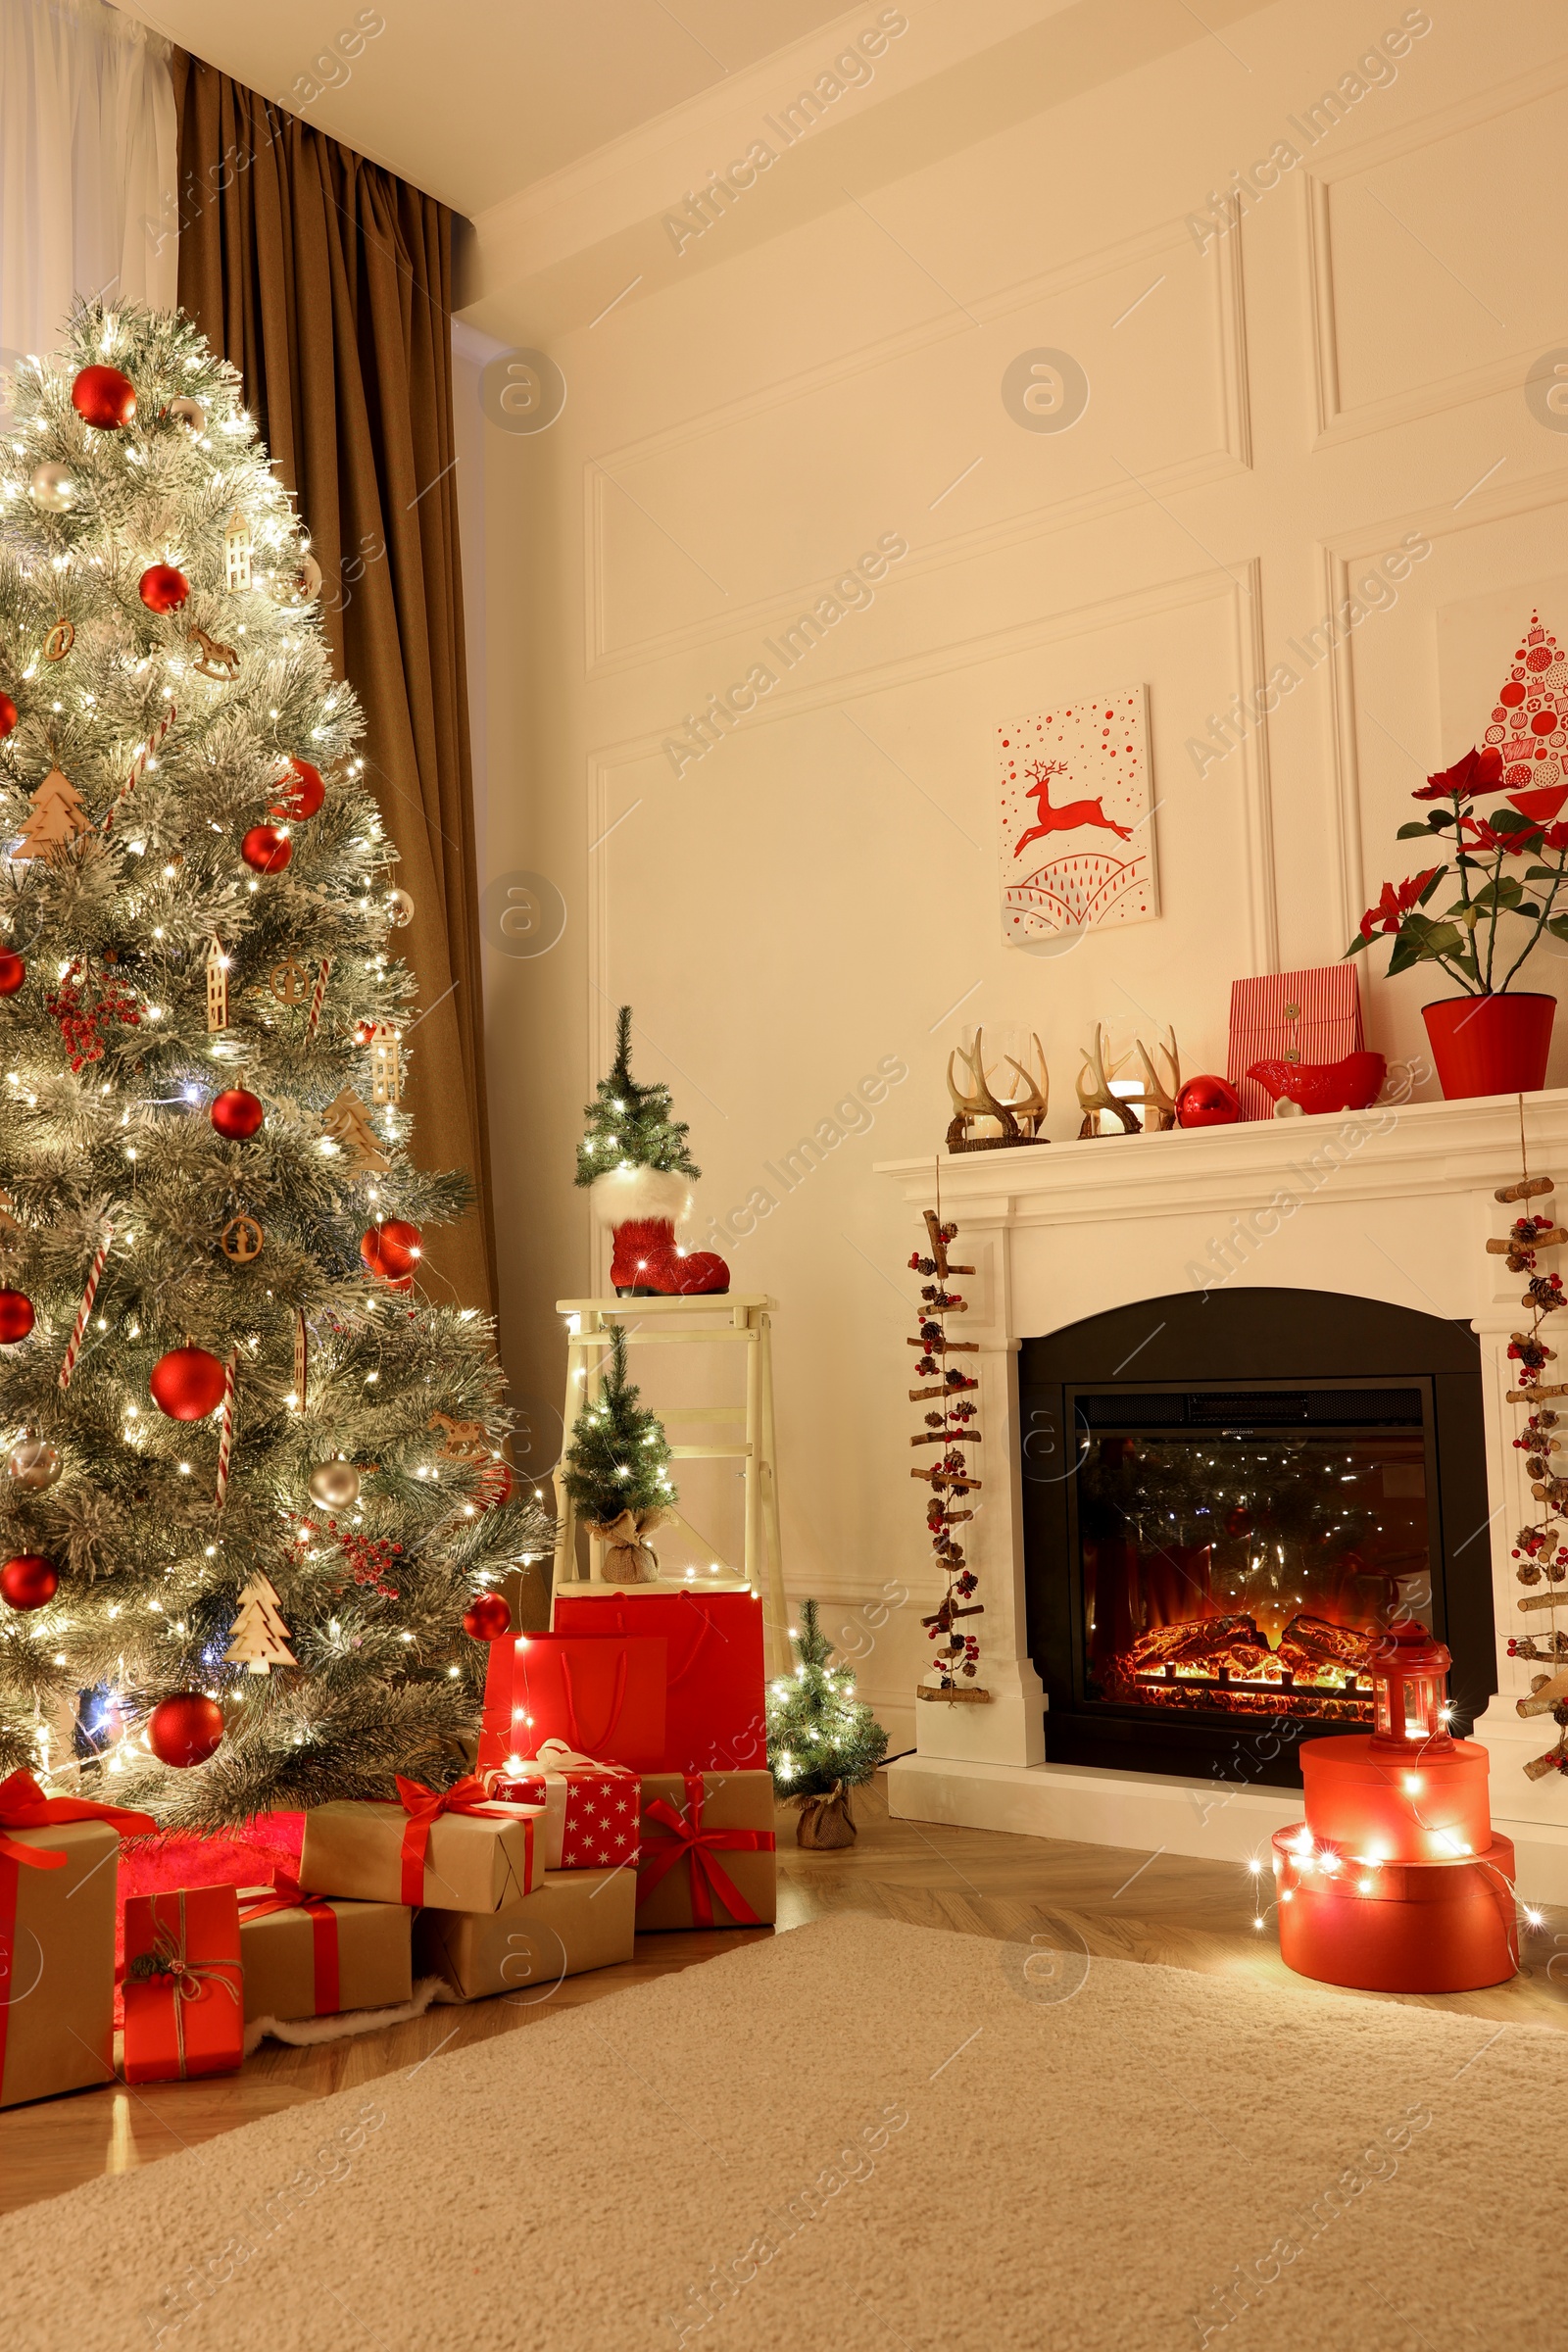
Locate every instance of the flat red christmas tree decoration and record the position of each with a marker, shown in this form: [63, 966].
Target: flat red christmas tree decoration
[1529, 726]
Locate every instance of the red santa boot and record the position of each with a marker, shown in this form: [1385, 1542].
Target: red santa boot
[642, 1207]
[699, 1273]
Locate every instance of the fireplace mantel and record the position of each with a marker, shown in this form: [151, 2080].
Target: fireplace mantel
[1394, 1204]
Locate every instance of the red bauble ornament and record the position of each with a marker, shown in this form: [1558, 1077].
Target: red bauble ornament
[103, 397]
[13, 972]
[1207, 1102]
[487, 1618]
[236, 1113]
[162, 588]
[16, 1316]
[186, 1728]
[29, 1581]
[391, 1248]
[188, 1384]
[302, 793]
[8, 715]
[495, 1485]
[267, 848]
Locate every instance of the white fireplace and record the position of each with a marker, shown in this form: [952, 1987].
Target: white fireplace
[1395, 1205]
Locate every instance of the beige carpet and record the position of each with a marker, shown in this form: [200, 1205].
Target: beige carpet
[860, 2135]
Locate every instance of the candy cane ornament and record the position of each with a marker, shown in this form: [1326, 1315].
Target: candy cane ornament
[319, 993]
[138, 766]
[74, 1345]
[226, 1438]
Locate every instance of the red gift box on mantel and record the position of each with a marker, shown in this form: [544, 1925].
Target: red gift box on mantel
[591, 1809]
[1308, 1017]
[185, 2002]
[601, 1699]
[716, 1709]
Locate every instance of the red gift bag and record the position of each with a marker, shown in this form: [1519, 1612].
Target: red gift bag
[184, 2013]
[714, 1707]
[603, 1698]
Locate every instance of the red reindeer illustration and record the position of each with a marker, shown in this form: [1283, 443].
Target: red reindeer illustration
[1068, 817]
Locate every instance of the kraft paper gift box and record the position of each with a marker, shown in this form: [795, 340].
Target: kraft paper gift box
[714, 1708]
[311, 1955]
[707, 1850]
[577, 1920]
[602, 1698]
[1308, 1017]
[184, 2010]
[591, 1809]
[456, 1852]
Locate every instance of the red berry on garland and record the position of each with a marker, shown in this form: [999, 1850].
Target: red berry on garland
[186, 1728]
[188, 1384]
[162, 588]
[29, 1581]
[103, 397]
[13, 972]
[267, 848]
[301, 794]
[236, 1113]
[8, 715]
[487, 1618]
[1207, 1102]
[16, 1316]
[391, 1248]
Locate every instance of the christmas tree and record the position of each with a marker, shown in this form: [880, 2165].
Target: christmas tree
[629, 1126]
[822, 1739]
[615, 1470]
[219, 1378]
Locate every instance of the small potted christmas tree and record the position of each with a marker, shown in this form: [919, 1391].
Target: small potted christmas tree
[635, 1162]
[615, 1473]
[821, 1740]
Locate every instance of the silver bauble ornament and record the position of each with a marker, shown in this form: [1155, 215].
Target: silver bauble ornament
[296, 582]
[52, 486]
[399, 908]
[334, 1486]
[33, 1465]
[188, 412]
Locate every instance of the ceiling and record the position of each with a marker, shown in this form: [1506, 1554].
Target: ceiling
[473, 100]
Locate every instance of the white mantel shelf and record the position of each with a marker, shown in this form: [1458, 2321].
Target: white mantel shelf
[1394, 1204]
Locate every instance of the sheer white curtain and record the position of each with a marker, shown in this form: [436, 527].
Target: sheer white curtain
[88, 165]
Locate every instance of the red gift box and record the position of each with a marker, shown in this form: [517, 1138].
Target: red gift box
[603, 1698]
[184, 2007]
[591, 1809]
[715, 1718]
[1309, 1016]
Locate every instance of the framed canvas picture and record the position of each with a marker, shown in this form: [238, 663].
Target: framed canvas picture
[1077, 817]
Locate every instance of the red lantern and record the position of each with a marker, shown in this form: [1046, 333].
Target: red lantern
[302, 793]
[487, 1618]
[237, 1114]
[1409, 1674]
[267, 848]
[391, 1248]
[162, 588]
[188, 1384]
[13, 972]
[1207, 1102]
[16, 1316]
[8, 715]
[103, 397]
[185, 1730]
[29, 1581]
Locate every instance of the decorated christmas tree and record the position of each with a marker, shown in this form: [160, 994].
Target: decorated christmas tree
[634, 1156]
[629, 1125]
[232, 1517]
[614, 1470]
[822, 1739]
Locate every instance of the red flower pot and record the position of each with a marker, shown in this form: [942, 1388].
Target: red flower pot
[1490, 1045]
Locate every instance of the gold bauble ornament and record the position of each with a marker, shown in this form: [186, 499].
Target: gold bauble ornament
[33, 1465]
[334, 1486]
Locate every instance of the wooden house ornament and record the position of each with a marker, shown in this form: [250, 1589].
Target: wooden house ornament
[216, 985]
[237, 546]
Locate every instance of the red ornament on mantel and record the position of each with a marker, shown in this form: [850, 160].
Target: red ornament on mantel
[8, 715]
[103, 397]
[301, 794]
[267, 848]
[236, 1113]
[13, 972]
[391, 1248]
[162, 588]
[487, 1618]
[29, 1581]
[15, 1317]
[188, 1384]
[1207, 1102]
[185, 1730]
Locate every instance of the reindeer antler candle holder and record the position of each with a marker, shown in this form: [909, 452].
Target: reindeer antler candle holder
[1020, 1116]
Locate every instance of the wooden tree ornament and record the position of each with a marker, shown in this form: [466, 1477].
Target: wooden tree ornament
[58, 817]
[347, 1120]
[258, 1638]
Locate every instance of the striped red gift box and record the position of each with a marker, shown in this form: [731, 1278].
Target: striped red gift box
[1308, 1016]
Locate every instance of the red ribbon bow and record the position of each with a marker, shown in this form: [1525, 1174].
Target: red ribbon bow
[285, 1895]
[424, 1807]
[687, 1835]
[25, 1806]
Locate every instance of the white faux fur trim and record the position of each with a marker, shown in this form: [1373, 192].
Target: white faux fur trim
[621, 1194]
[302, 2030]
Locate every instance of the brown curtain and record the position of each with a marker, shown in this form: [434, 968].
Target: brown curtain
[327, 281]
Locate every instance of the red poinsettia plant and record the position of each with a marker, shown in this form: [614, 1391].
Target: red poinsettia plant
[1464, 937]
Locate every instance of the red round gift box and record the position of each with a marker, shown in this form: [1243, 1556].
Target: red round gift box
[1396, 1927]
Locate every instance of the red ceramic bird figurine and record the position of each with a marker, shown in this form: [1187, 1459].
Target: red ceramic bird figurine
[1352, 1084]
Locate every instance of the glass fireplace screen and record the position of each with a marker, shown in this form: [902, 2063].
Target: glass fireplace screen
[1240, 1554]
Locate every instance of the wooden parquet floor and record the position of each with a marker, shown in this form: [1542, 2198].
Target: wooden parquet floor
[1083, 1902]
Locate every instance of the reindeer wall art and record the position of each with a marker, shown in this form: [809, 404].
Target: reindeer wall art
[1077, 817]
